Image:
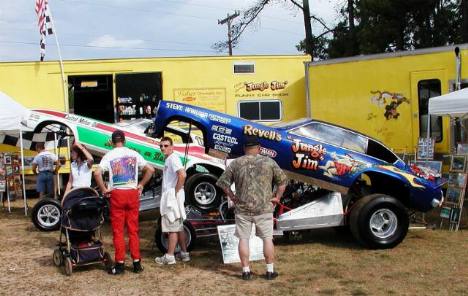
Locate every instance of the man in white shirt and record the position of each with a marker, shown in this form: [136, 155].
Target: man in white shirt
[45, 165]
[122, 164]
[173, 178]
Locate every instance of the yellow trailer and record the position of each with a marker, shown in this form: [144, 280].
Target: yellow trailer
[265, 88]
[386, 95]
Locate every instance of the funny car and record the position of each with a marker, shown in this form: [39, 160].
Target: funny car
[374, 190]
[95, 135]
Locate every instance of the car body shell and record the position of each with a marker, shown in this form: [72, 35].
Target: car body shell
[95, 135]
[304, 158]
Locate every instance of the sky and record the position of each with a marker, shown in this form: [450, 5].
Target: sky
[98, 29]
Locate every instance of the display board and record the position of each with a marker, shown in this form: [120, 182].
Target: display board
[229, 244]
[425, 148]
[10, 176]
[454, 196]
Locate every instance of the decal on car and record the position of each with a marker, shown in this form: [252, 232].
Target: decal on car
[307, 156]
[341, 165]
[261, 133]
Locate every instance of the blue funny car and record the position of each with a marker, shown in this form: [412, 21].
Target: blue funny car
[377, 190]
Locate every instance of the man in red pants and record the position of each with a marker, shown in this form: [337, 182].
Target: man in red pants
[124, 190]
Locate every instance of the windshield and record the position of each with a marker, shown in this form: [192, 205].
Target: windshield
[138, 126]
[333, 135]
[290, 123]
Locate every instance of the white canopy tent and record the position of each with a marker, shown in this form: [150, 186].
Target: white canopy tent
[11, 116]
[454, 104]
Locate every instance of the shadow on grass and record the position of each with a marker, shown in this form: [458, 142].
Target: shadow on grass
[332, 237]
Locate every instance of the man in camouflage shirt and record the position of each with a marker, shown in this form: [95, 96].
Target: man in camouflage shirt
[254, 176]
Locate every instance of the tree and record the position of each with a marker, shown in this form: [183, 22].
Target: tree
[385, 26]
[249, 15]
[464, 24]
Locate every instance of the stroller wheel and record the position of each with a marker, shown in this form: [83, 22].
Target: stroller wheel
[57, 257]
[107, 260]
[68, 266]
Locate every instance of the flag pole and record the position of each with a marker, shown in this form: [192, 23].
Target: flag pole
[62, 73]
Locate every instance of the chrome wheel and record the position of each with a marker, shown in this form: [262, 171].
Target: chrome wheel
[205, 193]
[48, 215]
[383, 223]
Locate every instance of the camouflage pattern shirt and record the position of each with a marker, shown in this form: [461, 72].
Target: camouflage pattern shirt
[254, 177]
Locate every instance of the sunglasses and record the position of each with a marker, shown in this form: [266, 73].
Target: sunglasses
[164, 145]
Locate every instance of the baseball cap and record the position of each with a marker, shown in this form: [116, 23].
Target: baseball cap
[118, 136]
[250, 141]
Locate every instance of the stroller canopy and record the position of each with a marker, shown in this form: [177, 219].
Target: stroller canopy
[82, 209]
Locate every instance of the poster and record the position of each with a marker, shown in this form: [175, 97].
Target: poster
[425, 148]
[209, 98]
[229, 243]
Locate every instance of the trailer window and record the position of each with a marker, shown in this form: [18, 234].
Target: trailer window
[243, 68]
[428, 89]
[260, 110]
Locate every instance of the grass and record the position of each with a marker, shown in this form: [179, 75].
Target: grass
[320, 262]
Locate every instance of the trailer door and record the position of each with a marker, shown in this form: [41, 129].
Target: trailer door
[425, 85]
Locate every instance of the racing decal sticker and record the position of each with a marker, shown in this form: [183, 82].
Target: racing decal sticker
[199, 113]
[221, 129]
[261, 133]
[123, 171]
[411, 178]
[81, 120]
[307, 156]
[229, 140]
[341, 165]
[268, 152]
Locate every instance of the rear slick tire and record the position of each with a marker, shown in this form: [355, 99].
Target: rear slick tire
[379, 221]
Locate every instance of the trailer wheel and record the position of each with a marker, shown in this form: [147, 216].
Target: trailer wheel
[379, 221]
[161, 241]
[202, 191]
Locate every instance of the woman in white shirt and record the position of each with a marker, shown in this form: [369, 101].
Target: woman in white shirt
[80, 168]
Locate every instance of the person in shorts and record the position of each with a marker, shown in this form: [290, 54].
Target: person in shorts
[254, 176]
[45, 165]
[172, 222]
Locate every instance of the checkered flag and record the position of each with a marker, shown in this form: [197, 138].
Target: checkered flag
[44, 22]
[30, 140]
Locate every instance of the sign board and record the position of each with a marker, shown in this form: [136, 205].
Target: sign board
[425, 148]
[229, 244]
[210, 98]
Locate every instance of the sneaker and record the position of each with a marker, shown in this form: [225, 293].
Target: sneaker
[246, 276]
[118, 268]
[137, 268]
[185, 256]
[165, 260]
[271, 275]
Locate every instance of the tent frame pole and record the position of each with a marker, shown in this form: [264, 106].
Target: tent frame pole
[22, 173]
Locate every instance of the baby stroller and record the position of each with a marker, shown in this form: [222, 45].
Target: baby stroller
[82, 217]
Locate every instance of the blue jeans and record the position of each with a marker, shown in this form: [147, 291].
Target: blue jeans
[45, 182]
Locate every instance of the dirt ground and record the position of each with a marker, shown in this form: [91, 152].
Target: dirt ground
[321, 262]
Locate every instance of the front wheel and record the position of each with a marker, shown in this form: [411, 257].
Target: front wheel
[46, 214]
[161, 238]
[379, 221]
[202, 191]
